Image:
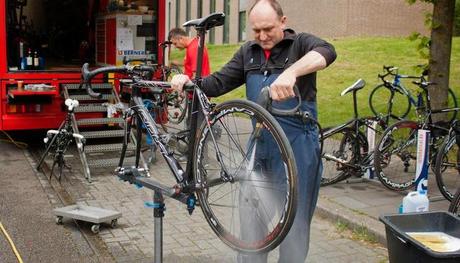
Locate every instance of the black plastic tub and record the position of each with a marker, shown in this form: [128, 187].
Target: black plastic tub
[403, 248]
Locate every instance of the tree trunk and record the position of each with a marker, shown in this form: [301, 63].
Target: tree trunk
[440, 51]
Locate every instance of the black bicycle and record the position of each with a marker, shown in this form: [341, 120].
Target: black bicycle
[392, 100]
[447, 169]
[228, 172]
[396, 153]
[58, 141]
[346, 150]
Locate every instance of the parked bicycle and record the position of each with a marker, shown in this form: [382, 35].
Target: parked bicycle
[447, 169]
[346, 150]
[225, 172]
[391, 100]
[57, 142]
[396, 153]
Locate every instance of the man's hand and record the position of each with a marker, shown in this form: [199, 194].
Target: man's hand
[283, 87]
[178, 81]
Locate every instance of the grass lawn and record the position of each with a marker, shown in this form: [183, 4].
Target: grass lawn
[357, 58]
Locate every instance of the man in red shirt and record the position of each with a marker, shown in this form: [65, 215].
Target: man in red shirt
[181, 40]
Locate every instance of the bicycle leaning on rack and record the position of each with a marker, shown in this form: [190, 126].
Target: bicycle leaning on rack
[225, 172]
[447, 169]
[391, 100]
[345, 147]
[58, 141]
[396, 153]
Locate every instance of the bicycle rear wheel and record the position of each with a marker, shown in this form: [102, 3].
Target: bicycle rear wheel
[246, 177]
[396, 155]
[338, 156]
[379, 102]
[447, 168]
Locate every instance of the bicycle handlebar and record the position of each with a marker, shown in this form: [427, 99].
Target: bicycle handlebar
[266, 102]
[87, 75]
[143, 59]
[165, 43]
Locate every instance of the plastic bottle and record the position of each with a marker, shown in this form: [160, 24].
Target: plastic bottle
[415, 202]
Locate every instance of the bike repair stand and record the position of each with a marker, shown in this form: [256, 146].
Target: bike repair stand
[158, 214]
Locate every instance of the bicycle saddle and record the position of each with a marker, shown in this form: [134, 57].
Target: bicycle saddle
[359, 84]
[208, 22]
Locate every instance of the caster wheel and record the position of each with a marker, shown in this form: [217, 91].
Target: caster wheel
[58, 220]
[95, 229]
[114, 223]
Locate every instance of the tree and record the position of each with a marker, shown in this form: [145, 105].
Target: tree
[442, 24]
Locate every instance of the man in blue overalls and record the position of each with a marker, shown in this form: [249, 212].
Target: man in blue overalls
[280, 58]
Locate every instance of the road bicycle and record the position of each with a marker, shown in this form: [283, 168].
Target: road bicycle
[58, 141]
[227, 173]
[391, 100]
[396, 152]
[346, 150]
[447, 169]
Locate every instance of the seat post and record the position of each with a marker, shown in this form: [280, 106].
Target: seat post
[355, 104]
[199, 62]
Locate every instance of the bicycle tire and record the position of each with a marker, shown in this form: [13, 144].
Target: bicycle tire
[338, 155]
[447, 168]
[396, 154]
[228, 205]
[454, 206]
[379, 99]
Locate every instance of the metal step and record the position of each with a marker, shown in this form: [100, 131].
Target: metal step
[75, 86]
[102, 134]
[98, 121]
[85, 97]
[110, 147]
[113, 162]
[90, 108]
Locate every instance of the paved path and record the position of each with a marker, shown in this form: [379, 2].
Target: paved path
[186, 238]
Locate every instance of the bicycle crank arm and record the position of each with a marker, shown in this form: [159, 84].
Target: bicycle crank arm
[335, 159]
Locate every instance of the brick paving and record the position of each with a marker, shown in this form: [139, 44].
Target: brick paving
[186, 238]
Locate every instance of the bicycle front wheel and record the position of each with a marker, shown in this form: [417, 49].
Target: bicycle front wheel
[447, 167]
[379, 102]
[396, 155]
[246, 176]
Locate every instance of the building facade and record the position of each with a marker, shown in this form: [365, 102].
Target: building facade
[324, 18]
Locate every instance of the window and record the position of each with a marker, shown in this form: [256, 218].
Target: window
[199, 9]
[243, 4]
[169, 15]
[227, 22]
[212, 33]
[177, 13]
[188, 12]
